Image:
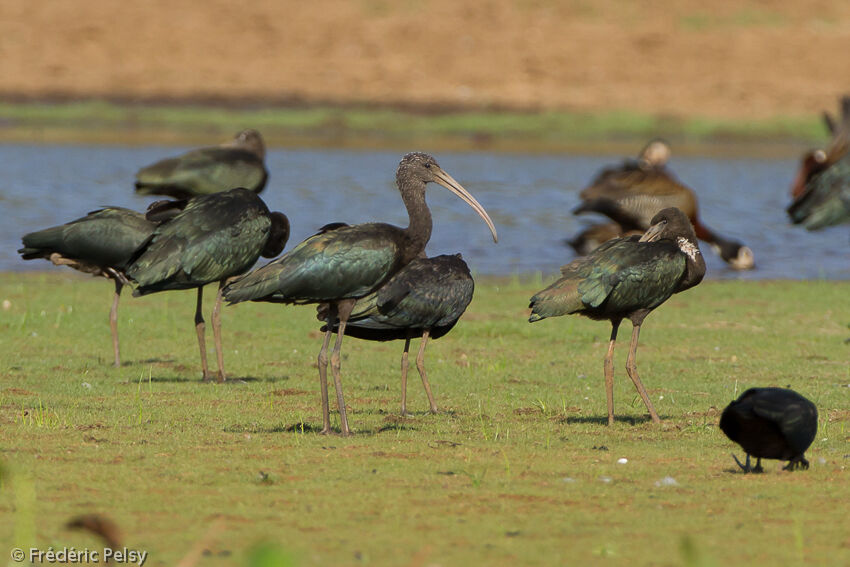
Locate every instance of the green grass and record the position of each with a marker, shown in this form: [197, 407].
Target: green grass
[518, 467]
[104, 122]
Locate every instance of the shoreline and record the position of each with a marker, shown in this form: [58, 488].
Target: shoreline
[366, 127]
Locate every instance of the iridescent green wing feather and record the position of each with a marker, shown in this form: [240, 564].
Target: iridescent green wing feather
[348, 262]
[106, 237]
[202, 172]
[213, 238]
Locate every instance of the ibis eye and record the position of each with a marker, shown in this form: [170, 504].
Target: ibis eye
[428, 165]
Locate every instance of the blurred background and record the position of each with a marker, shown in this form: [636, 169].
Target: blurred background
[521, 100]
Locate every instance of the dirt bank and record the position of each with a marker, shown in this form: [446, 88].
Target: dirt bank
[730, 59]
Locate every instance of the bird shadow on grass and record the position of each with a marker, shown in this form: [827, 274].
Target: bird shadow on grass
[603, 420]
[305, 427]
[232, 381]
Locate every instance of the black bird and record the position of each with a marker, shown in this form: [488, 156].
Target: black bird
[100, 243]
[771, 423]
[340, 266]
[238, 163]
[424, 299]
[215, 237]
[626, 278]
[630, 194]
[821, 188]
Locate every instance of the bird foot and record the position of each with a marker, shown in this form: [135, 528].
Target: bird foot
[222, 377]
[746, 467]
[207, 377]
[794, 465]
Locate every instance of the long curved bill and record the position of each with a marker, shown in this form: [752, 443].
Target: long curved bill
[449, 183]
[653, 232]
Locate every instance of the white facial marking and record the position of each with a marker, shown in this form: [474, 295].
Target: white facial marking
[688, 248]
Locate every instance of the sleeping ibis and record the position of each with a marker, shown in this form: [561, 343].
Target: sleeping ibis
[100, 243]
[213, 238]
[424, 299]
[238, 163]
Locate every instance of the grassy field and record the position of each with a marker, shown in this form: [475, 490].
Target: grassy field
[518, 468]
[104, 122]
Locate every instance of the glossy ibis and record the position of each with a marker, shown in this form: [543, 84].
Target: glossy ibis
[215, 237]
[100, 243]
[630, 194]
[339, 266]
[238, 163]
[771, 423]
[626, 278]
[424, 299]
[821, 188]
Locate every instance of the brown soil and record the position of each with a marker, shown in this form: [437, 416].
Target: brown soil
[724, 58]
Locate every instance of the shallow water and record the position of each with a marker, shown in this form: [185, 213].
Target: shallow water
[528, 196]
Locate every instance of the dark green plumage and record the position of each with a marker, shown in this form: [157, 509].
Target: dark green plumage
[621, 276]
[826, 198]
[102, 239]
[771, 423]
[213, 238]
[424, 299]
[428, 293]
[343, 263]
[626, 278]
[204, 171]
[348, 262]
[100, 243]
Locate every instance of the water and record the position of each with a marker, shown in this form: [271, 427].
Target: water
[528, 196]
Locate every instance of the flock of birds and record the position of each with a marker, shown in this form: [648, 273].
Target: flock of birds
[374, 281]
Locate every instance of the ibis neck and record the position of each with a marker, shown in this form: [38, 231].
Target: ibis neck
[419, 229]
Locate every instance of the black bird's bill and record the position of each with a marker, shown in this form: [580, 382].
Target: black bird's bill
[452, 185]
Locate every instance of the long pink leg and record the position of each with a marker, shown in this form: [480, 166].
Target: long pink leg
[609, 370]
[345, 306]
[323, 369]
[200, 328]
[420, 365]
[631, 368]
[216, 325]
[113, 322]
[404, 365]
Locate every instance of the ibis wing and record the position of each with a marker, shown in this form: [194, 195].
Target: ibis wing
[348, 262]
[427, 293]
[204, 171]
[213, 238]
[106, 237]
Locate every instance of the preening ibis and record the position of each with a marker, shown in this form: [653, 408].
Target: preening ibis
[424, 299]
[771, 423]
[215, 237]
[100, 243]
[626, 278]
[238, 163]
[340, 266]
[821, 188]
[630, 194]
